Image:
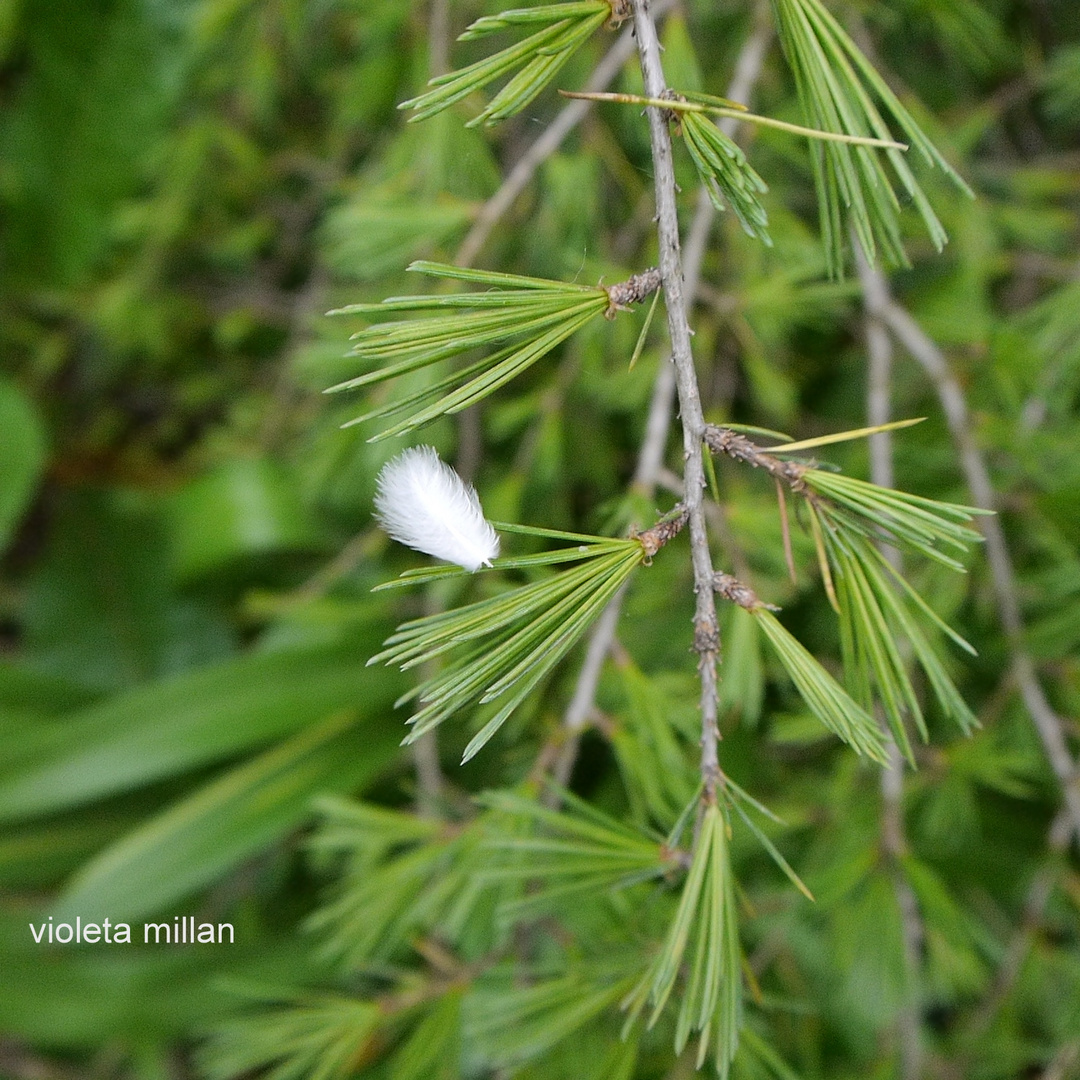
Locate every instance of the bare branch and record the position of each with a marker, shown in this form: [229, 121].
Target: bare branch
[925, 351]
[893, 831]
[747, 71]
[1061, 1064]
[722, 440]
[430, 783]
[439, 38]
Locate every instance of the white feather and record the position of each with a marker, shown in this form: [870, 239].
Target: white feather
[421, 502]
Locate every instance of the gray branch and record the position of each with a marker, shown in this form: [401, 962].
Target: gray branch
[706, 630]
[925, 351]
[650, 463]
[893, 831]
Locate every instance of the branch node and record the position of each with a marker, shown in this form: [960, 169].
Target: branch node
[706, 640]
[731, 588]
[721, 440]
[664, 531]
[672, 116]
[632, 291]
[620, 12]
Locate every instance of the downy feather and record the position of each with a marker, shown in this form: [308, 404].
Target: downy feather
[421, 502]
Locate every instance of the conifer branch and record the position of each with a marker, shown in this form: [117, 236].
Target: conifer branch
[706, 628]
[491, 213]
[650, 462]
[515, 320]
[529, 65]
[430, 782]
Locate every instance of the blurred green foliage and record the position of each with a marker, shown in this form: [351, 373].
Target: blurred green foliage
[186, 186]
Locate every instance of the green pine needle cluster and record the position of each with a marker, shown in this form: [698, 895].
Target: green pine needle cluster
[303, 1037]
[537, 59]
[837, 86]
[512, 1023]
[567, 854]
[823, 695]
[523, 318]
[878, 608]
[705, 933]
[848, 518]
[504, 646]
[911, 522]
[656, 759]
[400, 876]
[725, 173]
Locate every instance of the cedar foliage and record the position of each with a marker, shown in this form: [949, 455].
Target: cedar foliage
[190, 576]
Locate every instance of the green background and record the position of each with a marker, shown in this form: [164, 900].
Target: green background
[186, 186]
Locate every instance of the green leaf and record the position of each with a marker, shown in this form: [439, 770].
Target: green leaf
[24, 687]
[74, 998]
[93, 103]
[100, 606]
[41, 856]
[169, 728]
[199, 838]
[23, 458]
[239, 520]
